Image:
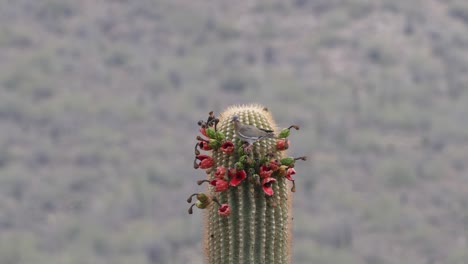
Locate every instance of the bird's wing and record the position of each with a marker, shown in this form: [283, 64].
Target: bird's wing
[249, 131]
[266, 130]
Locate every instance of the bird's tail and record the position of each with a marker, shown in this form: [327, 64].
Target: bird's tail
[268, 133]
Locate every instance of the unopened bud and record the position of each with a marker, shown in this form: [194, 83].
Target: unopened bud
[287, 161]
[284, 133]
[239, 166]
[219, 136]
[203, 197]
[200, 205]
[210, 132]
[214, 143]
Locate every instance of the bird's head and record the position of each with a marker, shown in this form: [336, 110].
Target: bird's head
[235, 119]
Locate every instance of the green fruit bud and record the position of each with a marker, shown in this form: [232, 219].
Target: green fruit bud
[203, 197]
[219, 136]
[284, 133]
[264, 160]
[240, 151]
[210, 132]
[256, 179]
[243, 159]
[287, 161]
[239, 166]
[214, 144]
[201, 205]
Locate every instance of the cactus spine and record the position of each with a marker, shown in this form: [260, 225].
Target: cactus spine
[256, 227]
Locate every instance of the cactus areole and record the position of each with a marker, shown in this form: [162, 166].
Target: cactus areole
[248, 199]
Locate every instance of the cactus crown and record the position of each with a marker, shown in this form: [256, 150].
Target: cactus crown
[248, 200]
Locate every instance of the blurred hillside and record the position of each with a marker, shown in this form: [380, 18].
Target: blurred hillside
[99, 102]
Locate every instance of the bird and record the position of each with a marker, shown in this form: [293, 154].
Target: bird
[249, 133]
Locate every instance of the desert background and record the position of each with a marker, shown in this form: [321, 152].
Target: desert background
[99, 103]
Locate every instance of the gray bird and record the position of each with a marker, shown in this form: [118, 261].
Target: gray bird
[249, 133]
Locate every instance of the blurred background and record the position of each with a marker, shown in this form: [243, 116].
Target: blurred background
[99, 102]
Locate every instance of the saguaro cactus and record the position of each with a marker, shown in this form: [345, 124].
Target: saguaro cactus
[248, 200]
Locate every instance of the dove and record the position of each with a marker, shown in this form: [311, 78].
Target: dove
[249, 133]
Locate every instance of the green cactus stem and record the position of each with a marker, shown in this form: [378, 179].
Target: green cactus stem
[249, 221]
